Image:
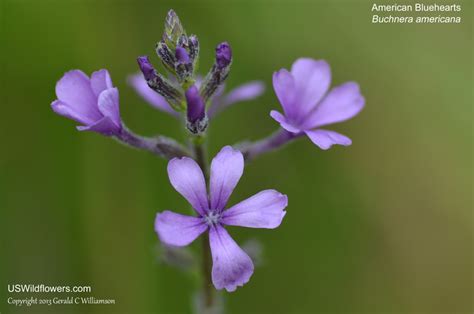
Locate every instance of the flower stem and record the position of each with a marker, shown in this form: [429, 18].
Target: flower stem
[206, 271]
[201, 159]
[268, 144]
[161, 146]
[200, 153]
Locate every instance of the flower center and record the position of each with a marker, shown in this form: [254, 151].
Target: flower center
[212, 217]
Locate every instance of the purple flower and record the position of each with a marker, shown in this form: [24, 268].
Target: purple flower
[307, 104]
[232, 267]
[219, 101]
[93, 102]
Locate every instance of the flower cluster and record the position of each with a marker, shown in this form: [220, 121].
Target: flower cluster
[308, 105]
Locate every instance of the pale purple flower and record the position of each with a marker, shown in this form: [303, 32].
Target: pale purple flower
[138, 82]
[308, 105]
[219, 101]
[93, 102]
[245, 92]
[232, 267]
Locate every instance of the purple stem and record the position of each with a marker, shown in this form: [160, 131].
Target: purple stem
[160, 145]
[268, 144]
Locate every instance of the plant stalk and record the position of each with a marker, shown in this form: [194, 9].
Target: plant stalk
[266, 145]
[201, 159]
[161, 146]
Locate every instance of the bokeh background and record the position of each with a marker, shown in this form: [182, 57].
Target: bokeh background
[384, 226]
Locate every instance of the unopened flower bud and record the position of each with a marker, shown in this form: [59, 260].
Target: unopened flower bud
[173, 29]
[196, 111]
[159, 84]
[167, 57]
[146, 67]
[182, 55]
[219, 72]
[223, 55]
[183, 65]
[193, 43]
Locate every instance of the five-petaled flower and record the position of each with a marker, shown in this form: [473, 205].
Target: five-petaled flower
[93, 102]
[231, 267]
[307, 104]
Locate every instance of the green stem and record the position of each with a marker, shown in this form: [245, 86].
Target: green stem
[200, 153]
[206, 271]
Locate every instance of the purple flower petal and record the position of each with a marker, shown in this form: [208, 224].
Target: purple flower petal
[285, 89]
[109, 105]
[263, 210]
[219, 91]
[226, 169]
[156, 100]
[100, 81]
[199, 80]
[104, 126]
[187, 178]
[241, 93]
[215, 100]
[70, 112]
[278, 117]
[178, 230]
[312, 80]
[248, 91]
[342, 103]
[325, 139]
[231, 267]
[74, 91]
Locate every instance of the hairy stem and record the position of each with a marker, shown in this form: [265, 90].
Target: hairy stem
[201, 159]
[160, 145]
[268, 144]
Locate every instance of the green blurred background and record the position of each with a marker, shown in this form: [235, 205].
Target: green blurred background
[383, 226]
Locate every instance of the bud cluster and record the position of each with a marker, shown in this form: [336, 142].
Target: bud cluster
[179, 54]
